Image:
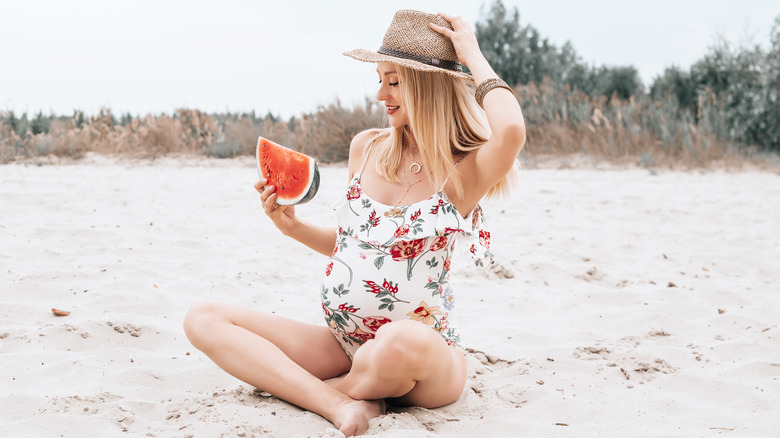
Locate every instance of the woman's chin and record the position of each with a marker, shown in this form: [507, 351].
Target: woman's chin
[396, 122]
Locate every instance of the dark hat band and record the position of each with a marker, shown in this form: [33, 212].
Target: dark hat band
[443, 63]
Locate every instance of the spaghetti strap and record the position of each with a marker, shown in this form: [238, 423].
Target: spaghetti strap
[365, 159]
[448, 177]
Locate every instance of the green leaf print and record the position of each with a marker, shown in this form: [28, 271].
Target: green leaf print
[340, 290]
[379, 261]
[334, 258]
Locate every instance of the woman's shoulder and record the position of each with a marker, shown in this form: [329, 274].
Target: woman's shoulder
[363, 138]
[360, 144]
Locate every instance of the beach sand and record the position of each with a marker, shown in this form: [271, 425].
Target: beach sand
[627, 303]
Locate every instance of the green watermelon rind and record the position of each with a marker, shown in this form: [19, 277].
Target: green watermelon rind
[313, 186]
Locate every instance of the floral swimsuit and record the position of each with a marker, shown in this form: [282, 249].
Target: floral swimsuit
[392, 263]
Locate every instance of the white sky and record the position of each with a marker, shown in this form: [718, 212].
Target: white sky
[153, 56]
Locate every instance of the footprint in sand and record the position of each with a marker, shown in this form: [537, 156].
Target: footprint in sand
[125, 328]
[70, 328]
[625, 356]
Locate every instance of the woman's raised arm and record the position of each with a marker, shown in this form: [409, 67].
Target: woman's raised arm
[496, 157]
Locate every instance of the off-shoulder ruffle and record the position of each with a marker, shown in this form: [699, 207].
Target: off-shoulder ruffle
[378, 224]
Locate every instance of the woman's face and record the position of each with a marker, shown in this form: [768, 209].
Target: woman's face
[390, 93]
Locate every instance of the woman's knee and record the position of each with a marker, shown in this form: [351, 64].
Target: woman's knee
[405, 342]
[200, 320]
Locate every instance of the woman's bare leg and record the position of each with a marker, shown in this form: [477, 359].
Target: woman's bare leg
[284, 357]
[408, 361]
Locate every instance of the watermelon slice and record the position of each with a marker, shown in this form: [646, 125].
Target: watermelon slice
[295, 175]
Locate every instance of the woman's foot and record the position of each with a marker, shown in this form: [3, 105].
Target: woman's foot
[352, 417]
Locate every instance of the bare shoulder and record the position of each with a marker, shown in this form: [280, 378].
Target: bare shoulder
[358, 147]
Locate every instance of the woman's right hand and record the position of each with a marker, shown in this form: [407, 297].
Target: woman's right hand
[283, 216]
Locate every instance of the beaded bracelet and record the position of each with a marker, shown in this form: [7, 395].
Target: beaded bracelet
[488, 84]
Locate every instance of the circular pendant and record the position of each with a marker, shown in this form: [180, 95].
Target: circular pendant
[417, 165]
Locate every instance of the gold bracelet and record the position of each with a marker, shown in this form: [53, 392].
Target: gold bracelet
[488, 84]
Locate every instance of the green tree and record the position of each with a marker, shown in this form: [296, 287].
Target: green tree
[519, 54]
[502, 42]
[622, 81]
[22, 125]
[770, 119]
[677, 83]
[79, 116]
[126, 119]
[40, 124]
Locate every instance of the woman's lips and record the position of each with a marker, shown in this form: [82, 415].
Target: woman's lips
[392, 109]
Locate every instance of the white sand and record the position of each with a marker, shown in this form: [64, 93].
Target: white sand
[640, 305]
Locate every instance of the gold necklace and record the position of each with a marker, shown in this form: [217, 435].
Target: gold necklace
[409, 186]
[414, 163]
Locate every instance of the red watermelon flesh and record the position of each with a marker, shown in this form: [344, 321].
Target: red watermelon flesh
[295, 175]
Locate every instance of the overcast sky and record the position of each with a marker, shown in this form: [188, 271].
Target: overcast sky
[153, 56]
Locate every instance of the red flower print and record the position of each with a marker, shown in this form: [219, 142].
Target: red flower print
[374, 322]
[449, 230]
[325, 309]
[361, 336]
[475, 216]
[435, 209]
[484, 238]
[407, 249]
[372, 286]
[473, 249]
[346, 308]
[354, 192]
[439, 243]
[329, 269]
[402, 231]
[447, 264]
[393, 289]
[416, 215]
[373, 219]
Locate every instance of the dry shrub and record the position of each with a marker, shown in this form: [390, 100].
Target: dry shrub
[239, 137]
[327, 133]
[11, 145]
[648, 133]
[561, 122]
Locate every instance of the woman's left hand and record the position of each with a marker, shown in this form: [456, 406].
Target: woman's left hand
[463, 38]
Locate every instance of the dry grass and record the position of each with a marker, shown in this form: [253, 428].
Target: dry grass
[560, 123]
[644, 132]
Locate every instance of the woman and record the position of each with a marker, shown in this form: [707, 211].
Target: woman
[414, 189]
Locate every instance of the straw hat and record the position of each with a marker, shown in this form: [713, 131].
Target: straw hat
[410, 42]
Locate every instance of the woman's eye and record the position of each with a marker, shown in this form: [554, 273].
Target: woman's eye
[392, 84]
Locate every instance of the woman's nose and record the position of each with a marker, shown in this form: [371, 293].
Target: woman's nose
[381, 94]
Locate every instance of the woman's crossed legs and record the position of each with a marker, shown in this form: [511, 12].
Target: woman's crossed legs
[290, 359]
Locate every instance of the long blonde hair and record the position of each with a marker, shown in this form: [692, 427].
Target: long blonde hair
[444, 119]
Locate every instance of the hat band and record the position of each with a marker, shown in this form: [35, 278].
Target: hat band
[443, 63]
